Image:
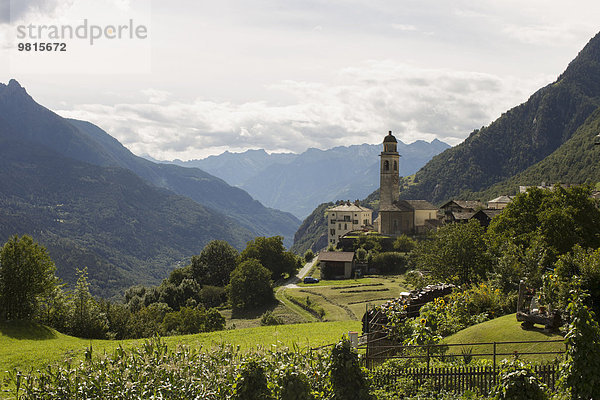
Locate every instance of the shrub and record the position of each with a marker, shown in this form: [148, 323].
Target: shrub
[519, 382]
[404, 244]
[309, 255]
[347, 378]
[213, 296]
[251, 383]
[579, 372]
[390, 262]
[293, 385]
[250, 286]
[269, 319]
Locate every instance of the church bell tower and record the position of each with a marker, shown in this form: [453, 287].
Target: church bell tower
[389, 180]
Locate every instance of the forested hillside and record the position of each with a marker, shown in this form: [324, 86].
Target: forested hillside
[518, 139]
[575, 162]
[107, 219]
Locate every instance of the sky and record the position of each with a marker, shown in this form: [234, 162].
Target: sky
[187, 79]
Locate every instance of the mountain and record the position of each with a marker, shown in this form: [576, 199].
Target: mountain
[549, 138]
[124, 230]
[237, 168]
[297, 183]
[86, 142]
[312, 233]
[520, 138]
[94, 204]
[577, 161]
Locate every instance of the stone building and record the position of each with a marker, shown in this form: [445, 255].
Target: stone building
[345, 218]
[396, 216]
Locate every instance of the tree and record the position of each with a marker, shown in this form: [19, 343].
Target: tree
[26, 275]
[456, 253]
[585, 264]
[214, 264]
[272, 255]
[579, 372]
[404, 244]
[86, 318]
[250, 286]
[559, 218]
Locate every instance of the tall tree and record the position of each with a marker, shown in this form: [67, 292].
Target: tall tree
[250, 286]
[456, 253]
[560, 218]
[87, 320]
[26, 275]
[214, 264]
[272, 255]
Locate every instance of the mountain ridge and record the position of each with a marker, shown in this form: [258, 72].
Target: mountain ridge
[519, 138]
[297, 182]
[83, 141]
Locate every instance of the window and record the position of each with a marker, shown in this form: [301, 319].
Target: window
[333, 222]
[339, 226]
[332, 231]
[395, 165]
[345, 226]
[386, 165]
[346, 218]
[355, 222]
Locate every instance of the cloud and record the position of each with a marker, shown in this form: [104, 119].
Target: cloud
[359, 106]
[16, 10]
[542, 34]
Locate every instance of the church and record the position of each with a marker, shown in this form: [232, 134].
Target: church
[397, 217]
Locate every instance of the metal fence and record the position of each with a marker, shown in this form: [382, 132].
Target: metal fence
[459, 379]
[456, 379]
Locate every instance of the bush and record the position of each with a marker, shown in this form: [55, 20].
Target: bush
[347, 378]
[519, 382]
[251, 383]
[579, 372]
[391, 262]
[269, 319]
[250, 286]
[293, 385]
[213, 296]
[309, 255]
[404, 244]
[192, 320]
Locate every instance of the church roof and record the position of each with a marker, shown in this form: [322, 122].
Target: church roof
[421, 204]
[390, 138]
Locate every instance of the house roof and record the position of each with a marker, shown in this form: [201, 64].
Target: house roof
[462, 215]
[490, 213]
[420, 205]
[501, 199]
[471, 204]
[350, 207]
[339, 256]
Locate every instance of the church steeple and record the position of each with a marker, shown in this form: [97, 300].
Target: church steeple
[389, 179]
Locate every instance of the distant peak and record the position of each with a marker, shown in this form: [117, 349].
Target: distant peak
[13, 87]
[14, 84]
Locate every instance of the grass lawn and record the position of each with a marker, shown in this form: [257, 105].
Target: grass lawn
[507, 329]
[25, 345]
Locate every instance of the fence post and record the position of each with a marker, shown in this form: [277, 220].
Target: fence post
[428, 347]
[494, 357]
